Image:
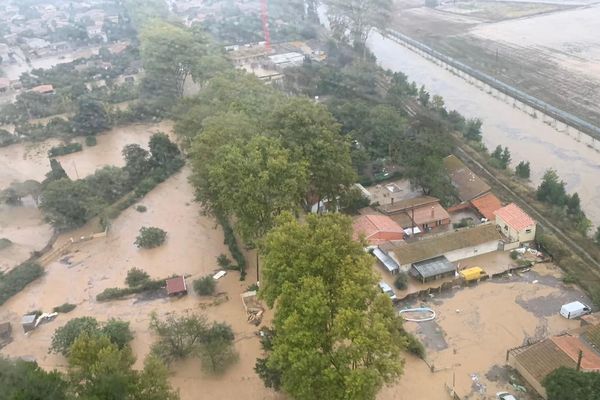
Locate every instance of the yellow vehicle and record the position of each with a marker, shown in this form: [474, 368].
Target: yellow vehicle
[472, 274]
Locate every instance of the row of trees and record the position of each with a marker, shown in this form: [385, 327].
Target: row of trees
[68, 204]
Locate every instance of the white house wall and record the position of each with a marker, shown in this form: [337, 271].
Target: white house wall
[472, 251]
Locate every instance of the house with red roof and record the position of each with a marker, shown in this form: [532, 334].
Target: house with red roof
[486, 205]
[515, 224]
[176, 286]
[377, 229]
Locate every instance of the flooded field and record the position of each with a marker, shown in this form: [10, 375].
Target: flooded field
[193, 243]
[24, 225]
[475, 326]
[527, 138]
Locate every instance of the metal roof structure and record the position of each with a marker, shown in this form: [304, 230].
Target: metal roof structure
[387, 261]
[433, 267]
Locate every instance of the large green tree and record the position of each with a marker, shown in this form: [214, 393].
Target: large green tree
[569, 384]
[23, 380]
[552, 189]
[337, 336]
[353, 20]
[69, 204]
[254, 182]
[90, 117]
[311, 133]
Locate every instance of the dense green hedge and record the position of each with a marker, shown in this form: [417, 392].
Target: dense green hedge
[233, 245]
[16, 279]
[65, 149]
[119, 293]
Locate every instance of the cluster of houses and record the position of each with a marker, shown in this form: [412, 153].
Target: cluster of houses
[415, 235]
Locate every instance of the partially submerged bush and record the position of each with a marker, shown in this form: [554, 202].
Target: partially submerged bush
[205, 286]
[514, 255]
[119, 293]
[116, 331]
[401, 281]
[91, 141]
[414, 346]
[65, 149]
[224, 261]
[141, 208]
[136, 277]
[150, 237]
[4, 243]
[17, 278]
[64, 308]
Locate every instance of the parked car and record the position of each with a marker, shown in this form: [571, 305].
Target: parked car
[505, 396]
[574, 310]
[387, 289]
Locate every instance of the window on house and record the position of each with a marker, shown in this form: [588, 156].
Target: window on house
[527, 230]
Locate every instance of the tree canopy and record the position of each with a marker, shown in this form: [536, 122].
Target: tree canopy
[569, 384]
[329, 313]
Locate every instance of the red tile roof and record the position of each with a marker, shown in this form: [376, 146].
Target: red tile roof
[377, 225]
[486, 205]
[515, 217]
[571, 345]
[176, 285]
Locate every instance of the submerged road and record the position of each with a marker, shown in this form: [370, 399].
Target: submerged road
[527, 138]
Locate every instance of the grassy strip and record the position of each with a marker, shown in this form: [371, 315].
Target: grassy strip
[119, 293]
[232, 243]
[16, 279]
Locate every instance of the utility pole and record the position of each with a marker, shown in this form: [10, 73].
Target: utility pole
[579, 358]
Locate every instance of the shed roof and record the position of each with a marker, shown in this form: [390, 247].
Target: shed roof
[387, 261]
[427, 248]
[43, 89]
[542, 358]
[515, 217]
[429, 213]
[433, 267]
[372, 224]
[486, 205]
[468, 185]
[176, 285]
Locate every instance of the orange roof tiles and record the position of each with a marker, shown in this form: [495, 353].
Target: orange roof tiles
[176, 285]
[513, 216]
[373, 225]
[486, 205]
[571, 345]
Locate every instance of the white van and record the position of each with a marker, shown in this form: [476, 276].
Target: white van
[574, 310]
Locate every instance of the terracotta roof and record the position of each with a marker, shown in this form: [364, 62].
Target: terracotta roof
[407, 204]
[370, 225]
[486, 205]
[43, 89]
[541, 358]
[176, 285]
[515, 217]
[429, 213]
[468, 185]
[430, 247]
[571, 345]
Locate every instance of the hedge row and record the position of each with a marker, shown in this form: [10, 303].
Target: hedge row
[233, 245]
[65, 149]
[16, 279]
[119, 293]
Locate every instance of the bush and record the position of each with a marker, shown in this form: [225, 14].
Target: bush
[232, 243]
[252, 287]
[65, 149]
[119, 293]
[569, 279]
[116, 331]
[205, 286]
[4, 243]
[91, 141]
[64, 308]
[16, 279]
[223, 261]
[150, 237]
[401, 281]
[141, 208]
[514, 255]
[136, 277]
[415, 346]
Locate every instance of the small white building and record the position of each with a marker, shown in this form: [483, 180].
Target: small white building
[515, 224]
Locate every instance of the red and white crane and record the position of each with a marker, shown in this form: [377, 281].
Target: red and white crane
[264, 12]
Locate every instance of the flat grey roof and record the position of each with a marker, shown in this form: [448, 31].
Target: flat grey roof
[386, 260]
[433, 267]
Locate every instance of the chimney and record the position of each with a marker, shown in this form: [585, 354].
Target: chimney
[432, 211]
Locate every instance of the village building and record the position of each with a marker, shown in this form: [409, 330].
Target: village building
[442, 248]
[176, 286]
[377, 229]
[423, 212]
[432, 269]
[486, 205]
[536, 361]
[43, 89]
[515, 224]
[468, 185]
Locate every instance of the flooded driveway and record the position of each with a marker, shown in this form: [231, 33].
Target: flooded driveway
[526, 137]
